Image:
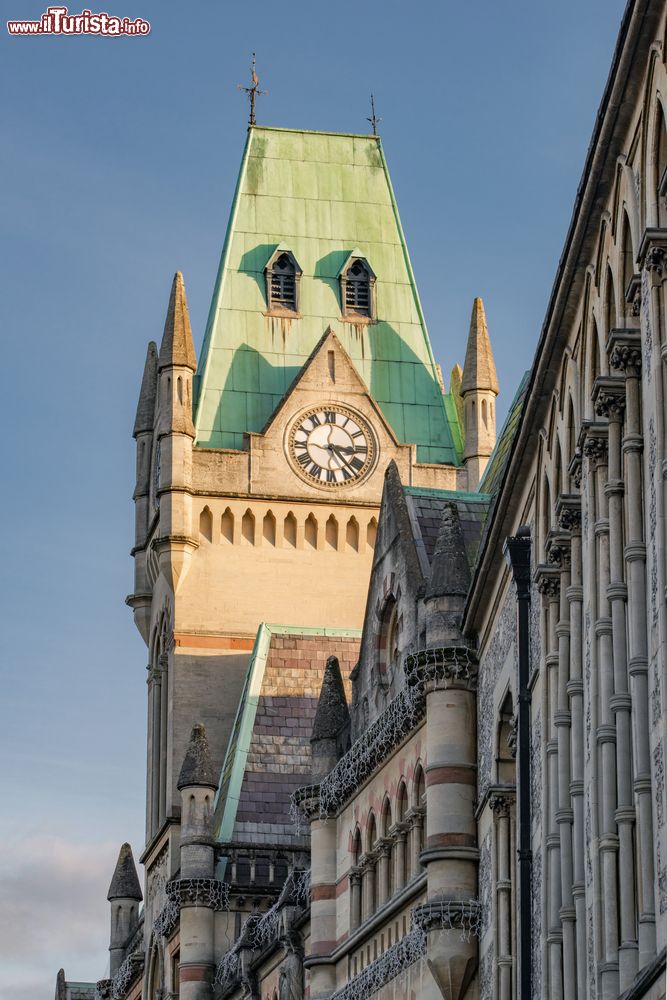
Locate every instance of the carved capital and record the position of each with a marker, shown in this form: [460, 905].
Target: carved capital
[547, 581]
[625, 351]
[609, 397]
[652, 255]
[558, 549]
[655, 261]
[568, 510]
[500, 806]
[593, 441]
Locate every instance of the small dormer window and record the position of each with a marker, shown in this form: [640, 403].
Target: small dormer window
[282, 282]
[357, 282]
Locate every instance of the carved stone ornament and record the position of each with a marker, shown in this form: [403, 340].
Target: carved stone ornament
[558, 550]
[595, 448]
[547, 581]
[569, 512]
[609, 397]
[500, 806]
[655, 261]
[626, 358]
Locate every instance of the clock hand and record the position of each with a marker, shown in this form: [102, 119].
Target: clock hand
[336, 449]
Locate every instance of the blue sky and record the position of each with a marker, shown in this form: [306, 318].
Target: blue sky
[119, 163]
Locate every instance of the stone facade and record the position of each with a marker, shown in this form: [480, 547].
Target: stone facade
[476, 808]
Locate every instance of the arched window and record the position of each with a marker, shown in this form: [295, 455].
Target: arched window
[282, 282]
[388, 642]
[357, 282]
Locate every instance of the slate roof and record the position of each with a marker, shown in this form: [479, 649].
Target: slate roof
[125, 883]
[429, 506]
[493, 473]
[324, 196]
[269, 754]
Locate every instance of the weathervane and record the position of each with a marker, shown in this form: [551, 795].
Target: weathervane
[253, 92]
[374, 120]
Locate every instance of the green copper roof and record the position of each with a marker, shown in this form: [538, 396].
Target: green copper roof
[324, 196]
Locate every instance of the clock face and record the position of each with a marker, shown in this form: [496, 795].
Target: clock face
[332, 446]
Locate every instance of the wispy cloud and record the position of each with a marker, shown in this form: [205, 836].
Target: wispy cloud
[54, 912]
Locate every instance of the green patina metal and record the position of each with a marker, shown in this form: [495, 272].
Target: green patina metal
[324, 196]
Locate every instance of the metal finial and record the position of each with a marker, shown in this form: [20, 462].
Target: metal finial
[374, 120]
[253, 92]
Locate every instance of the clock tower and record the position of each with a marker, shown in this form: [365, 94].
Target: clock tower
[260, 466]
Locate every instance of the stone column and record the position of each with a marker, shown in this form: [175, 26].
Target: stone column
[399, 857]
[384, 872]
[449, 679]
[595, 450]
[653, 252]
[355, 899]
[548, 583]
[156, 702]
[416, 820]
[164, 712]
[609, 398]
[501, 806]
[626, 357]
[569, 514]
[558, 552]
[368, 885]
[322, 896]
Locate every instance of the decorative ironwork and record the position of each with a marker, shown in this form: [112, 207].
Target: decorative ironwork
[374, 120]
[253, 91]
[131, 968]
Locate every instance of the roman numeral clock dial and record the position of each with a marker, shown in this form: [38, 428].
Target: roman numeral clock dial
[331, 447]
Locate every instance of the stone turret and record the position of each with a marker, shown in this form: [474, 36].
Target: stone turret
[479, 388]
[143, 435]
[448, 671]
[175, 430]
[197, 783]
[124, 895]
[332, 720]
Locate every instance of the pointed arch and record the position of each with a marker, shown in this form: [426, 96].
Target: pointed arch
[371, 832]
[506, 742]
[386, 820]
[269, 528]
[371, 533]
[627, 261]
[206, 524]
[418, 786]
[352, 534]
[610, 308]
[289, 529]
[331, 532]
[401, 801]
[227, 526]
[658, 182]
[310, 531]
[248, 527]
